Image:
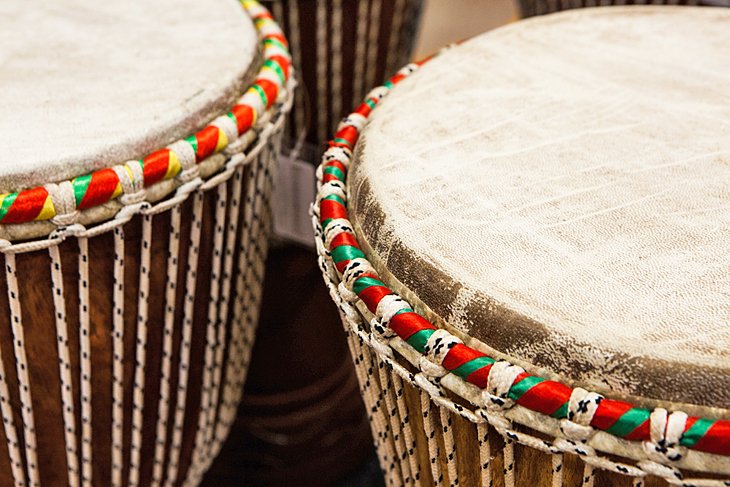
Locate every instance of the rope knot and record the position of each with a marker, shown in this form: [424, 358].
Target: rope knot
[665, 431]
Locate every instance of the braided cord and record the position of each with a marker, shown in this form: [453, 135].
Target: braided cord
[44, 202]
[552, 398]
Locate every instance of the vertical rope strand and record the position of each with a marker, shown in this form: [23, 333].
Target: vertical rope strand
[118, 356]
[373, 43]
[163, 407]
[322, 77]
[11, 434]
[557, 470]
[336, 64]
[405, 425]
[225, 412]
[449, 445]
[300, 123]
[392, 469]
[140, 350]
[85, 352]
[392, 59]
[64, 367]
[485, 454]
[589, 475]
[358, 78]
[206, 413]
[391, 413]
[187, 330]
[434, 453]
[21, 365]
[509, 463]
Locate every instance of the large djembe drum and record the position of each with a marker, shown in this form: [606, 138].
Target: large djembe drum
[130, 289]
[527, 240]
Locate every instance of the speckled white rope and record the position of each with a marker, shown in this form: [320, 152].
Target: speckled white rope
[391, 413]
[220, 431]
[358, 80]
[392, 60]
[373, 42]
[118, 358]
[163, 406]
[85, 353]
[408, 438]
[21, 367]
[187, 329]
[485, 454]
[219, 335]
[366, 393]
[300, 122]
[434, 450]
[11, 434]
[206, 412]
[447, 433]
[140, 356]
[322, 78]
[389, 462]
[336, 62]
[64, 368]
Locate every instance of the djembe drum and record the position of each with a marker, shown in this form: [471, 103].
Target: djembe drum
[529, 8]
[342, 48]
[130, 289]
[527, 240]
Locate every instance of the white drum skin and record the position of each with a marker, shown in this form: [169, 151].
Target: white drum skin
[579, 222]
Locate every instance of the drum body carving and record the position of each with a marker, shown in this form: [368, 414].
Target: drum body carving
[131, 291]
[526, 241]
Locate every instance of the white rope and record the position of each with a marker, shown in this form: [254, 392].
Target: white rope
[85, 352]
[322, 78]
[408, 439]
[358, 80]
[206, 413]
[485, 453]
[163, 407]
[300, 122]
[140, 350]
[187, 329]
[118, 358]
[336, 63]
[224, 408]
[447, 432]
[373, 42]
[434, 451]
[64, 368]
[11, 434]
[21, 367]
[391, 413]
[392, 60]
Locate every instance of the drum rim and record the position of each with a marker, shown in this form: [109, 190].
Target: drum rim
[354, 280]
[178, 162]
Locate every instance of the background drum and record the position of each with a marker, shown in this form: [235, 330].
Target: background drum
[131, 291]
[552, 215]
[530, 8]
[309, 427]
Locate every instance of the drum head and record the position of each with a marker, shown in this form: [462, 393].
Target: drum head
[86, 85]
[556, 193]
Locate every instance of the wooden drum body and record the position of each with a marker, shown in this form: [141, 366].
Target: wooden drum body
[526, 238]
[132, 290]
